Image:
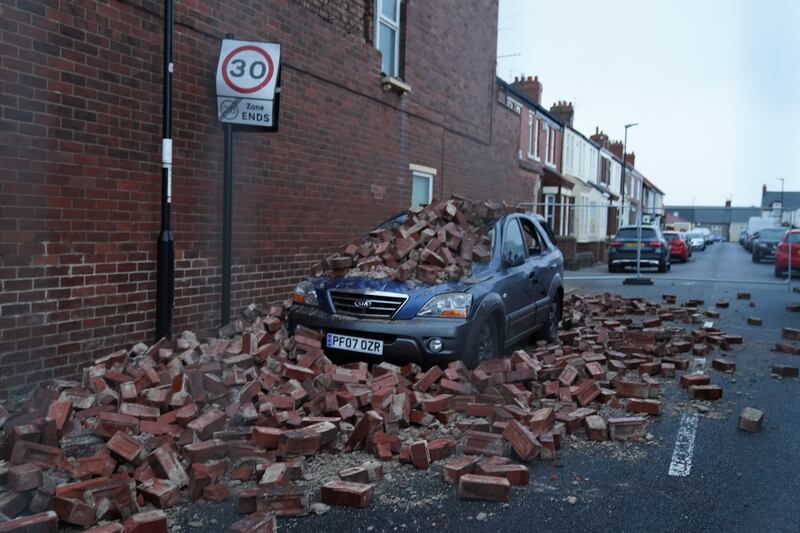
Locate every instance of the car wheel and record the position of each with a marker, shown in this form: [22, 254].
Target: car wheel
[779, 274]
[756, 259]
[553, 318]
[486, 344]
[662, 266]
[612, 268]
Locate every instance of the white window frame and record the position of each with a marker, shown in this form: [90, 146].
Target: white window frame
[417, 173]
[513, 105]
[393, 24]
[533, 136]
[564, 227]
[550, 149]
[546, 131]
[550, 209]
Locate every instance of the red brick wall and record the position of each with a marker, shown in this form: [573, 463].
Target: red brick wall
[80, 104]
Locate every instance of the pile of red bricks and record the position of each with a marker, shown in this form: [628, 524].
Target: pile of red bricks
[152, 427]
[435, 243]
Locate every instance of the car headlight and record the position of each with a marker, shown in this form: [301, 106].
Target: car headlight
[305, 293]
[451, 304]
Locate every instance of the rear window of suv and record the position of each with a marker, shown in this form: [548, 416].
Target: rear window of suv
[630, 233]
[771, 235]
[671, 236]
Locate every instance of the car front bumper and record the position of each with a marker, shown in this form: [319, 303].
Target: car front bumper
[404, 341]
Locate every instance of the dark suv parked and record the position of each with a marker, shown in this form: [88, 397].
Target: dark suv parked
[765, 243]
[655, 249]
[516, 294]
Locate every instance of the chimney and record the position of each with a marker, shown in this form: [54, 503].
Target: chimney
[630, 159]
[616, 148]
[727, 203]
[600, 138]
[530, 87]
[763, 189]
[563, 111]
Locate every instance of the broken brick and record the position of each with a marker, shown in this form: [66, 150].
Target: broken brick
[785, 371]
[346, 493]
[705, 392]
[475, 486]
[750, 419]
[650, 407]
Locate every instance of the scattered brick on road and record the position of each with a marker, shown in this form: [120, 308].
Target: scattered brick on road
[750, 419]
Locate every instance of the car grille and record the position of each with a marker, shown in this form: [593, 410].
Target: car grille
[367, 304]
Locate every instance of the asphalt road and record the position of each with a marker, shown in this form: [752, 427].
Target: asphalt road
[738, 481]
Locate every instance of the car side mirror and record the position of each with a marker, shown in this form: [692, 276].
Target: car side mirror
[512, 260]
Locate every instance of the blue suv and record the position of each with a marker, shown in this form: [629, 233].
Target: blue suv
[517, 293]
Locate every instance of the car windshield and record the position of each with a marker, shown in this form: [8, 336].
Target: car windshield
[771, 235]
[630, 233]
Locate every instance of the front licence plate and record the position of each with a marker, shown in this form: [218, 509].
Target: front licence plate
[354, 344]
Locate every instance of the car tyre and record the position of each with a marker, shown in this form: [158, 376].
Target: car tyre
[779, 274]
[662, 267]
[550, 331]
[486, 344]
[756, 258]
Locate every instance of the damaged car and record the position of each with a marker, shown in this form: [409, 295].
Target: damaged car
[508, 289]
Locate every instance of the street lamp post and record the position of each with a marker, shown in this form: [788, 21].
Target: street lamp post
[165, 267]
[780, 220]
[622, 180]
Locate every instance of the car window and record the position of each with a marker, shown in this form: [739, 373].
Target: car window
[794, 238]
[513, 242]
[771, 234]
[671, 236]
[548, 231]
[532, 238]
[630, 233]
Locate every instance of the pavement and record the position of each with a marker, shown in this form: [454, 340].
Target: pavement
[735, 481]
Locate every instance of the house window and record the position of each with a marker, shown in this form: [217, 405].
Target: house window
[546, 132]
[421, 188]
[513, 105]
[533, 136]
[550, 145]
[550, 209]
[387, 35]
[565, 216]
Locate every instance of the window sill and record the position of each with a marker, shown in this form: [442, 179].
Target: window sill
[390, 83]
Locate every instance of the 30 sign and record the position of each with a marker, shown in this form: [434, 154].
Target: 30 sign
[247, 74]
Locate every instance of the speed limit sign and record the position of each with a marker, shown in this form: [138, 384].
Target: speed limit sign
[247, 77]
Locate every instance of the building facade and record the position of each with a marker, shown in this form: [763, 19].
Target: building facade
[371, 122]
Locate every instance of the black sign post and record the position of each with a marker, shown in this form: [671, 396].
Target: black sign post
[165, 269]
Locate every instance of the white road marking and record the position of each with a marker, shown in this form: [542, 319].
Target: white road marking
[681, 464]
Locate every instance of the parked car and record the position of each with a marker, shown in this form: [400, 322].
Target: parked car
[655, 252]
[696, 240]
[707, 235]
[519, 292]
[789, 246]
[678, 248]
[766, 243]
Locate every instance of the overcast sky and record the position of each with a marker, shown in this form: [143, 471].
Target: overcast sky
[714, 84]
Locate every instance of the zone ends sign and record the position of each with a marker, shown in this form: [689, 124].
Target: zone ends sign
[247, 78]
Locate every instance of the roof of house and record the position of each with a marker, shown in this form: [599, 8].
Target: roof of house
[791, 199]
[530, 103]
[712, 214]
